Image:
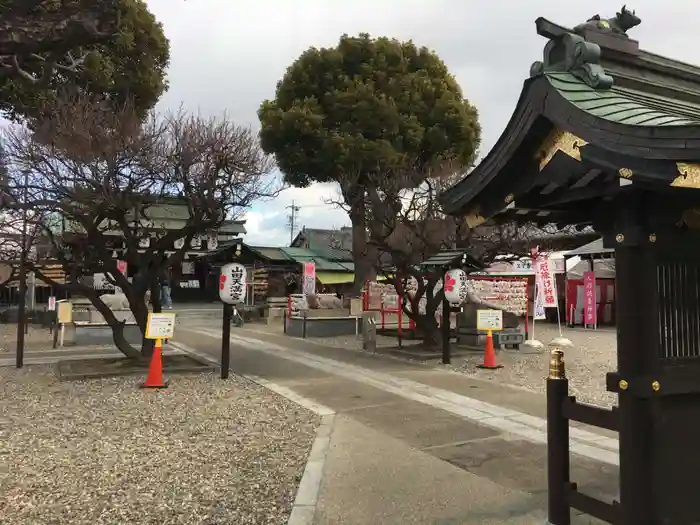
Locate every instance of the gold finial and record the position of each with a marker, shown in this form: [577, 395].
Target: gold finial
[619, 237]
[557, 368]
[652, 237]
[656, 386]
[623, 384]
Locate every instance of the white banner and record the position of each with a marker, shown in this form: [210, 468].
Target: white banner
[545, 273]
[539, 313]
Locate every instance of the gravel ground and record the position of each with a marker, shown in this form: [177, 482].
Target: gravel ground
[36, 338]
[592, 356]
[204, 451]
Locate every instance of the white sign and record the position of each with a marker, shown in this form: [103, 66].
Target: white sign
[524, 266]
[160, 326]
[232, 283]
[545, 272]
[100, 282]
[52, 303]
[212, 241]
[489, 320]
[455, 286]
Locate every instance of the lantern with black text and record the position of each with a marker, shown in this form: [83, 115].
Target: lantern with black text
[455, 286]
[232, 283]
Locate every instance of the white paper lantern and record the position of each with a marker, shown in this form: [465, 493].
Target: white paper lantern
[455, 286]
[232, 283]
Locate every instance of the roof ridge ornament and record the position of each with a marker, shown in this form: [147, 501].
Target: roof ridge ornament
[569, 51]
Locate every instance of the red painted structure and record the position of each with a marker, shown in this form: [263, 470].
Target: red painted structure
[605, 297]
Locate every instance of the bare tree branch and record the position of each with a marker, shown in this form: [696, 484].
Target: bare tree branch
[105, 182]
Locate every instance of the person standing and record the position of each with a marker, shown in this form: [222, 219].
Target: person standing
[165, 281]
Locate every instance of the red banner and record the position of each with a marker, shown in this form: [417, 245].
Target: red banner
[309, 279]
[589, 299]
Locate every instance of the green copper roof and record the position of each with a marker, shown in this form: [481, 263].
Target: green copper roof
[625, 106]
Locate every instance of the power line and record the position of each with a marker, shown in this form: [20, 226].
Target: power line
[292, 220]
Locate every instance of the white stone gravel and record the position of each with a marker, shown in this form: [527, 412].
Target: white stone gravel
[203, 452]
[592, 356]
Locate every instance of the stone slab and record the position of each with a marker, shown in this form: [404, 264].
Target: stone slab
[92, 335]
[421, 426]
[521, 465]
[321, 326]
[344, 395]
[372, 478]
[79, 369]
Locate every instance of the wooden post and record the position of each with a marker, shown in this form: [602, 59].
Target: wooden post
[446, 353]
[557, 442]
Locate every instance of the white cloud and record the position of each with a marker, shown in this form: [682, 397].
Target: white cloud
[228, 56]
[267, 223]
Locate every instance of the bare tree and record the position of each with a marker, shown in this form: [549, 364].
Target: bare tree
[406, 226]
[101, 177]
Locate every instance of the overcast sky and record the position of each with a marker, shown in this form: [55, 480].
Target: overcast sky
[228, 55]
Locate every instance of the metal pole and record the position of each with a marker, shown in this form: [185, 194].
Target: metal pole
[226, 341]
[446, 354]
[22, 306]
[557, 442]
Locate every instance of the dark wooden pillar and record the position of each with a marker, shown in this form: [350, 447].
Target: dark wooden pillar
[657, 264]
[635, 321]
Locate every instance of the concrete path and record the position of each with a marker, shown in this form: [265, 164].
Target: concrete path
[412, 444]
[47, 357]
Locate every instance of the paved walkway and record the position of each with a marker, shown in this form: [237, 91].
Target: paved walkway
[413, 444]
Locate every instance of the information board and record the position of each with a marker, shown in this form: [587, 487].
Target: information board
[489, 320]
[160, 326]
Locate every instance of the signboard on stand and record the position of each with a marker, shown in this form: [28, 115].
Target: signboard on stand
[489, 320]
[160, 326]
[309, 279]
[590, 317]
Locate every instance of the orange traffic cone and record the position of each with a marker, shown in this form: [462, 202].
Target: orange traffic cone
[489, 354]
[154, 379]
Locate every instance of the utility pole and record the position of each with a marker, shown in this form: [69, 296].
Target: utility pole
[292, 220]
